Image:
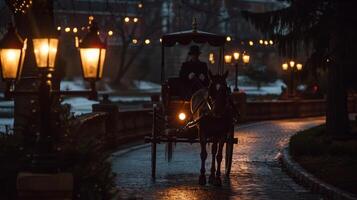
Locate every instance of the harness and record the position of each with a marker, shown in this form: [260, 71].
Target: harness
[209, 102]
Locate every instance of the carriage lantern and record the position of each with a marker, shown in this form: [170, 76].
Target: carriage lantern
[182, 116]
[12, 54]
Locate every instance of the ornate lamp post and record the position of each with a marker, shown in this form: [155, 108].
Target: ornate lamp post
[245, 60]
[293, 68]
[12, 54]
[92, 52]
[236, 58]
[45, 50]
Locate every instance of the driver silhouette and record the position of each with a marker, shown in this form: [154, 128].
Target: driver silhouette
[193, 73]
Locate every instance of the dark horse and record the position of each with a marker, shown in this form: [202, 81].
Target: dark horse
[212, 110]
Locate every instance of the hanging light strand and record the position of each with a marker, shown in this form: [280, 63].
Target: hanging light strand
[21, 6]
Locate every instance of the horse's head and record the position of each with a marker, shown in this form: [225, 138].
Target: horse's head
[218, 93]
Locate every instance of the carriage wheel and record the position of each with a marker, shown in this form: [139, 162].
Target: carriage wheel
[229, 153]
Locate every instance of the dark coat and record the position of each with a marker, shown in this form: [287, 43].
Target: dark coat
[189, 87]
[196, 67]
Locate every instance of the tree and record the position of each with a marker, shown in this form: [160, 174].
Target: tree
[134, 36]
[261, 74]
[325, 30]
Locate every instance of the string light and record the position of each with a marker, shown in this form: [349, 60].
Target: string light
[126, 19]
[251, 43]
[135, 19]
[21, 6]
[147, 41]
[58, 28]
[140, 5]
[67, 29]
[228, 39]
[110, 33]
[135, 41]
[75, 30]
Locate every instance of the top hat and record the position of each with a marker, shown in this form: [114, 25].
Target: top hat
[194, 50]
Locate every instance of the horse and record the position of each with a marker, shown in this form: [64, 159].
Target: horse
[213, 112]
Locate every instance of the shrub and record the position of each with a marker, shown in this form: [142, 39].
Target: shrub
[315, 141]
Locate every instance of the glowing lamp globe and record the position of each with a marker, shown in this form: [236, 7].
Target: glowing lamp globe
[92, 52]
[246, 59]
[236, 55]
[12, 54]
[299, 66]
[228, 59]
[292, 64]
[45, 50]
[285, 66]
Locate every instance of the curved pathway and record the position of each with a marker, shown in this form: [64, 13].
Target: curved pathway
[256, 173]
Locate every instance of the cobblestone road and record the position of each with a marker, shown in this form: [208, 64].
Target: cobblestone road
[256, 173]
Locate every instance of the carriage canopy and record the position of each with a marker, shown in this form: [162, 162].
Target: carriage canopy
[186, 37]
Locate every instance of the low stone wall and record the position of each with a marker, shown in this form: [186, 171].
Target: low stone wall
[123, 125]
[279, 109]
[284, 109]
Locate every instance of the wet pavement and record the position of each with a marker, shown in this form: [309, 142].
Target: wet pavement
[256, 173]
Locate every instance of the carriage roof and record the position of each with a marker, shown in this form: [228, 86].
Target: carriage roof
[186, 37]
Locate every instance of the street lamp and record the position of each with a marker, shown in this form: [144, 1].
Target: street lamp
[236, 58]
[245, 59]
[92, 53]
[211, 58]
[12, 54]
[45, 50]
[299, 67]
[292, 67]
[236, 55]
[292, 63]
[228, 59]
[285, 66]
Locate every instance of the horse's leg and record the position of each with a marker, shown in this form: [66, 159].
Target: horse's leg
[218, 181]
[202, 179]
[213, 166]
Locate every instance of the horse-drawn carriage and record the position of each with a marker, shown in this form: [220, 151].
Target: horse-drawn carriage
[173, 121]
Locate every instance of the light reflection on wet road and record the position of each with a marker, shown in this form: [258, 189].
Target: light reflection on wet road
[256, 174]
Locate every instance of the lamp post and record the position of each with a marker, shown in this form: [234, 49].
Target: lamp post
[12, 47]
[293, 68]
[236, 56]
[92, 52]
[12, 54]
